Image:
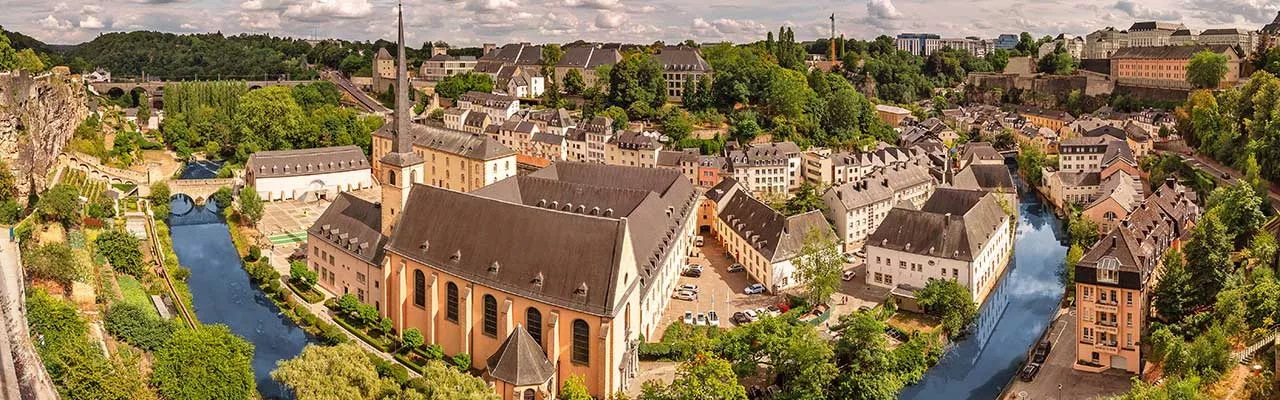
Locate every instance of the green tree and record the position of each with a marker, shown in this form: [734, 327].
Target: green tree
[60, 204]
[28, 60]
[223, 197]
[1208, 256]
[1074, 254]
[1172, 389]
[270, 118]
[574, 388]
[1031, 161]
[1206, 69]
[8, 56]
[800, 360]
[448, 383]
[950, 302]
[637, 78]
[137, 326]
[704, 377]
[574, 83]
[805, 200]
[302, 276]
[329, 372]
[865, 361]
[786, 94]
[123, 251]
[1240, 210]
[1262, 249]
[251, 207]
[55, 262]
[160, 197]
[453, 86]
[413, 338]
[206, 363]
[819, 265]
[1173, 295]
[1083, 231]
[677, 124]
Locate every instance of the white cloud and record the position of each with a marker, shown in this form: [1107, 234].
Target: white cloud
[258, 21]
[596, 4]
[52, 23]
[559, 24]
[609, 20]
[91, 22]
[882, 9]
[1140, 11]
[321, 10]
[725, 28]
[491, 5]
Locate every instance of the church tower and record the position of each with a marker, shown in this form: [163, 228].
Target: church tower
[401, 166]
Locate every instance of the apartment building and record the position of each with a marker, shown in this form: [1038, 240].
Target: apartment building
[441, 66]
[772, 168]
[499, 107]
[822, 167]
[681, 64]
[857, 207]
[634, 148]
[1166, 67]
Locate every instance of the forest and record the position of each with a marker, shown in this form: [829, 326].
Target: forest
[229, 120]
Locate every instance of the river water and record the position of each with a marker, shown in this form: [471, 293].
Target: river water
[222, 294]
[1013, 317]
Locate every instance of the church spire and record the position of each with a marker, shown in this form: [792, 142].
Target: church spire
[401, 153]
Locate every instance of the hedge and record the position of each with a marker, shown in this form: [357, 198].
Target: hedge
[311, 296]
[380, 345]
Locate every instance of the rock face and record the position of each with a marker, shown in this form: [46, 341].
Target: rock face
[38, 117]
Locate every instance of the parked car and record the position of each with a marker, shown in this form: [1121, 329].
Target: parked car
[753, 289]
[860, 253]
[848, 275]
[692, 273]
[698, 241]
[688, 317]
[1042, 352]
[751, 315]
[740, 318]
[700, 319]
[773, 310]
[713, 319]
[685, 295]
[736, 268]
[688, 287]
[1029, 372]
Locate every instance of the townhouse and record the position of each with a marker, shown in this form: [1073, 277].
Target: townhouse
[857, 207]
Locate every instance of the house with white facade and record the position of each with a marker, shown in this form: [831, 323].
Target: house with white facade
[772, 168]
[961, 235]
[308, 173]
[499, 107]
[858, 206]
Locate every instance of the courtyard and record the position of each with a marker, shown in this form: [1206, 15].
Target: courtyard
[284, 223]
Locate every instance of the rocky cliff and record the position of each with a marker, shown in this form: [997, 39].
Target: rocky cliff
[38, 117]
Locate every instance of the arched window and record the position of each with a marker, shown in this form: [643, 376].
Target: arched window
[581, 342]
[1109, 216]
[413, 176]
[451, 302]
[391, 177]
[419, 288]
[490, 315]
[528, 394]
[533, 322]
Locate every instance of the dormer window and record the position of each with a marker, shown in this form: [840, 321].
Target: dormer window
[424, 246]
[457, 256]
[493, 268]
[581, 291]
[1108, 269]
[537, 280]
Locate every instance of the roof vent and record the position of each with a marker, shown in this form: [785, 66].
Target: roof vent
[595, 211]
[582, 290]
[931, 249]
[542, 202]
[908, 247]
[493, 268]
[424, 246]
[457, 256]
[608, 212]
[537, 280]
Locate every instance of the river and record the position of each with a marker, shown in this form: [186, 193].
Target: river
[222, 294]
[1013, 317]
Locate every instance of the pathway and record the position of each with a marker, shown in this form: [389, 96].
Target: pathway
[20, 355]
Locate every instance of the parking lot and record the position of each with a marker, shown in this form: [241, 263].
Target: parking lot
[1057, 380]
[718, 289]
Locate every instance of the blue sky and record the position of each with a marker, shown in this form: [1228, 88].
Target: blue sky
[471, 22]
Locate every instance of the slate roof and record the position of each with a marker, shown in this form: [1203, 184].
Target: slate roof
[1125, 189]
[877, 187]
[1080, 178]
[676, 158]
[775, 236]
[682, 58]
[879, 157]
[520, 360]
[636, 140]
[763, 154]
[558, 118]
[489, 100]
[300, 162]
[1273, 27]
[589, 57]
[1224, 31]
[548, 138]
[975, 151]
[466, 144]
[383, 54]
[1167, 52]
[353, 225]
[476, 119]
[1108, 130]
[953, 223]
[1118, 151]
[1154, 25]
[986, 177]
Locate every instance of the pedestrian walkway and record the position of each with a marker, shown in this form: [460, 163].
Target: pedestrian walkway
[21, 371]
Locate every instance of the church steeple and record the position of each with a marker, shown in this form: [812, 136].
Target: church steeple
[402, 167]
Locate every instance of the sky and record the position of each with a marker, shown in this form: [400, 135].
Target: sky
[472, 22]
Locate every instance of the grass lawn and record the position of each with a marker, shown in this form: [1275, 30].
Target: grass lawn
[909, 321]
[286, 238]
[133, 293]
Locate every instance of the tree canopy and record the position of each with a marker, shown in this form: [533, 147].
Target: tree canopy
[329, 372]
[950, 302]
[1206, 69]
[206, 363]
[453, 86]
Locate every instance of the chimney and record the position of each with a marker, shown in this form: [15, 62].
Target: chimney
[946, 219]
[488, 48]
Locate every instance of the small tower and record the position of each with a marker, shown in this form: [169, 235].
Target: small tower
[401, 166]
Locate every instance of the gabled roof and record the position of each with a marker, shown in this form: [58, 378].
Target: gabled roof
[382, 54]
[986, 177]
[1167, 52]
[489, 100]
[520, 360]
[1224, 31]
[1155, 25]
[300, 162]
[975, 151]
[682, 58]
[353, 225]
[877, 187]
[775, 236]
[470, 145]
[589, 57]
[953, 223]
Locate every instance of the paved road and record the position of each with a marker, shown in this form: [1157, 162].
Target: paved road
[21, 370]
[1225, 175]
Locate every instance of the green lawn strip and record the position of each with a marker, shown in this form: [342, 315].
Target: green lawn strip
[133, 293]
[311, 296]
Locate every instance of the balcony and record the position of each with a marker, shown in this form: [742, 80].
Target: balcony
[1107, 347]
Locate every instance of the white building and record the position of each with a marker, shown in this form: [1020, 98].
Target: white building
[961, 235]
[499, 107]
[772, 168]
[857, 207]
[764, 241]
[315, 173]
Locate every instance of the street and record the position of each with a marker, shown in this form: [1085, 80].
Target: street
[19, 354]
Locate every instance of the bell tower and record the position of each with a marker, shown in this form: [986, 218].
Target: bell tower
[401, 166]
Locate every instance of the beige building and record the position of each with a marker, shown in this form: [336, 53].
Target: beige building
[681, 64]
[307, 173]
[1103, 42]
[1115, 279]
[822, 167]
[772, 169]
[455, 160]
[764, 241]
[634, 148]
[857, 207]
[498, 106]
[958, 234]
[586, 59]
[1152, 33]
[441, 66]
[384, 70]
[1166, 67]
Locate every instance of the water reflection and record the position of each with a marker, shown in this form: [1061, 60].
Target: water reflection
[979, 366]
[222, 294]
[202, 169]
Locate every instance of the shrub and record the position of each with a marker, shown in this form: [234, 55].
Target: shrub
[462, 361]
[432, 352]
[413, 338]
[302, 276]
[135, 326]
[254, 254]
[331, 334]
[55, 262]
[182, 274]
[123, 251]
[305, 317]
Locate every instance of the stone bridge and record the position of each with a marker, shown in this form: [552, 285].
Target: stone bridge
[199, 189]
[155, 89]
[93, 168]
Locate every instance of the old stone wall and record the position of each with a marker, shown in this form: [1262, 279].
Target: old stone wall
[38, 117]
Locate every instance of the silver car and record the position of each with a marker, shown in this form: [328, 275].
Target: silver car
[685, 295]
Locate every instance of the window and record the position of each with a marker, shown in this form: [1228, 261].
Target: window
[490, 315]
[359, 277]
[581, 342]
[451, 302]
[419, 288]
[1128, 299]
[533, 322]
[528, 394]
[391, 177]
